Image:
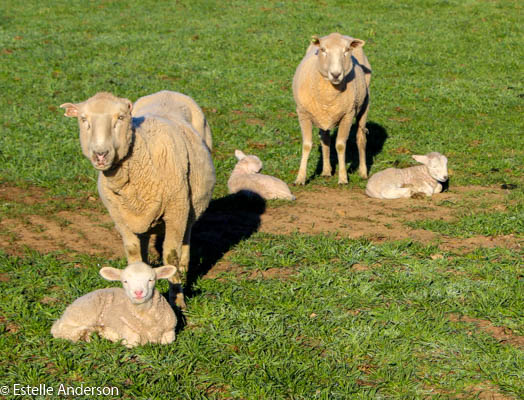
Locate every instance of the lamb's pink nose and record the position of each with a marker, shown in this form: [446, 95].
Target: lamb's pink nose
[138, 293]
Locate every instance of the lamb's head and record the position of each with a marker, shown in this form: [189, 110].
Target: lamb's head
[334, 55]
[105, 128]
[437, 165]
[248, 164]
[138, 279]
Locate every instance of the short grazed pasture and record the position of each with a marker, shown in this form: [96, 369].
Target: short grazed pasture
[333, 296]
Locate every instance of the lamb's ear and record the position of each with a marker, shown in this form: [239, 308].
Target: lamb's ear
[167, 271]
[421, 159]
[71, 110]
[239, 154]
[110, 273]
[315, 40]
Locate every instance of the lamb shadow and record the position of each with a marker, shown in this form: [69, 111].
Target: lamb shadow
[377, 136]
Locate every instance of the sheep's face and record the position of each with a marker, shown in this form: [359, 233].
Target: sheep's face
[105, 128]
[252, 164]
[437, 165]
[335, 56]
[138, 279]
[248, 164]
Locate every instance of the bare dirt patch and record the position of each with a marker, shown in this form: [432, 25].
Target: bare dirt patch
[345, 212]
[502, 334]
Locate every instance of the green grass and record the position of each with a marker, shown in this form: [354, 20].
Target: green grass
[447, 76]
[327, 331]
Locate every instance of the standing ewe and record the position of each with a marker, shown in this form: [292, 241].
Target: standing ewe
[394, 183]
[245, 176]
[331, 87]
[136, 314]
[153, 168]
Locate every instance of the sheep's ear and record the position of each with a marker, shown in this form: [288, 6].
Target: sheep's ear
[110, 273]
[71, 110]
[356, 43]
[315, 40]
[129, 104]
[421, 159]
[239, 154]
[167, 271]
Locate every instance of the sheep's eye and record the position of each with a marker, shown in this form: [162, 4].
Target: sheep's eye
[125, 281]
[323, 50]
[121, 117]
[151, 280]
[83, 119]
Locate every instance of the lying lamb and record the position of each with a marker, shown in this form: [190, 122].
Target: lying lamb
[155, 166]
[245, 177]
[394, 183]
[331, 87]
[136, 314]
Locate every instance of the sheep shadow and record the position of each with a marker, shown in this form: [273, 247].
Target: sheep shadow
[227, 221]
[377, 136]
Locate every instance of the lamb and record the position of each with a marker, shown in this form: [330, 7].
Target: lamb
[245, 177]
[331, 87]
[136, 314]
[394, 183]
[155, 170]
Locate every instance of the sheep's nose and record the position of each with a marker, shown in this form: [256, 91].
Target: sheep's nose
[335, 75]
[101, 154]
[138, 293]
[445, 177]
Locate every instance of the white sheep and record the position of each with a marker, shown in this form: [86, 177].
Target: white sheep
[153, 169]
[136, 314]
[172, 105]
[331, 87]
[394, 183]
[246, 177]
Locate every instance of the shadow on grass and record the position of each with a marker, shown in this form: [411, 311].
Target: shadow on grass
[377, 136]
[226, 222]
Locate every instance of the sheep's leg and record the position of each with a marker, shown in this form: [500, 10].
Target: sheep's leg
[131, 244]
[325, 140]
[342, 137]
[172, 255]
[307, 143]
[185, 254]
[361, 142]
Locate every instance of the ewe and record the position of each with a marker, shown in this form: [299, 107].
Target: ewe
[154, 167]
[246, 177]
[394, 183]
[136, 314]
[331, 87]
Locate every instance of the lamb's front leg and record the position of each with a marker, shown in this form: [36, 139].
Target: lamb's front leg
[342, 138]
[307, 143]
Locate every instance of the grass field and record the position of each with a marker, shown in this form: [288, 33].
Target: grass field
[305, 314]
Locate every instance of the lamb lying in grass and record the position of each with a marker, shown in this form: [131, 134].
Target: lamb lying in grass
[394, 183]
[136, 314]
[246, 177]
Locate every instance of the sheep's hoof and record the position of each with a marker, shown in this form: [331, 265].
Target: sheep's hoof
[326, 174]
[363, 174]
[418, 195]
[342, 181]
[300, 181]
